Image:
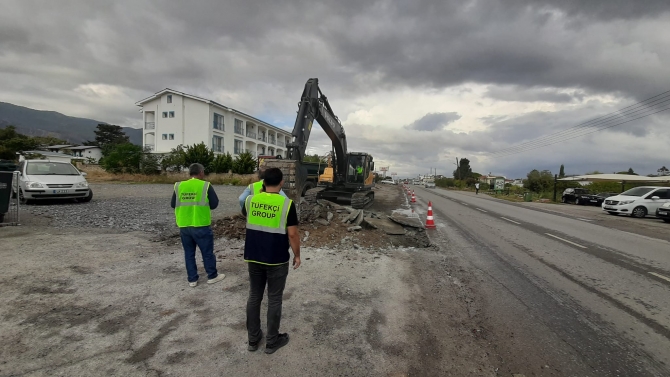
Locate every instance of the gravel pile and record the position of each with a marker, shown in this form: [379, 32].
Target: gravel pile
[129, 207]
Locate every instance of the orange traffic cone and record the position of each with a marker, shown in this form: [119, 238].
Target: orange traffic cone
[430, 223]
[413, 197]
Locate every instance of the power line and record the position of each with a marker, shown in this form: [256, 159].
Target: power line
[580, 135]
[639, 110]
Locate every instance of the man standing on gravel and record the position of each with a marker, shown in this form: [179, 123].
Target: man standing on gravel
[477, 188]
[272, 226]
[193, 201]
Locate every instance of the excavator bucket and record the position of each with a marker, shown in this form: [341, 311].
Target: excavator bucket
[295, 176]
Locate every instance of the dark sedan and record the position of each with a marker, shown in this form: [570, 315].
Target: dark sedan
[597, 199]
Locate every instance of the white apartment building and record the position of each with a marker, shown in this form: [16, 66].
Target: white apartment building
[173, 118]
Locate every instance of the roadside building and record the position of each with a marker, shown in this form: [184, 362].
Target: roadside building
[51, 156]
[58, 148]
[172, 118]
[85, 152]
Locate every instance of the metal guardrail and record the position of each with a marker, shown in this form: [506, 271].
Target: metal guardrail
[251, 135]
[239, 130]
[150, 147]
[280, 144]
[12, 217]
[149, 125]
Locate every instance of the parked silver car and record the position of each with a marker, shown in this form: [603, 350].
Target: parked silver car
[44, 179]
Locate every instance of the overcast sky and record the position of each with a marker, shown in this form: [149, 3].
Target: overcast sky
[416, 83]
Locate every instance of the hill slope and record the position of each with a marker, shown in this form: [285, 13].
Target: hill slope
[41, 123]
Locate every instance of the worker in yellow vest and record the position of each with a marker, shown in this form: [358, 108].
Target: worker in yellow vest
[193, 201]
[272, 226]
[255, 189]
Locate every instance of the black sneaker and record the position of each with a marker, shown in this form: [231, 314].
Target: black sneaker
[253, 346]
[282, 340]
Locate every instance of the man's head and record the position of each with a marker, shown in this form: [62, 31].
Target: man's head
[196, 171]
[273, 179]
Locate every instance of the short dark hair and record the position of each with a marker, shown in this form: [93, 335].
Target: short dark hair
[195, 169]
[272, 177]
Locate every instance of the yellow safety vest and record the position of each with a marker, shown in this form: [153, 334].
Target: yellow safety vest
[192, 204]
[256, 187]
[267, 213]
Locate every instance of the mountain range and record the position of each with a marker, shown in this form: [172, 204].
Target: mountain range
[50, 123]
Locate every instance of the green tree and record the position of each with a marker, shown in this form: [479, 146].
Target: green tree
[11, 142]
[122, 158]
[222, 163]
[244, 163]
[109, 135]
[539, 181]
[561, 172]
[150, 163]
[314, 158]
[663, 171]
[173, 161]
[199, 153]
[463, 171]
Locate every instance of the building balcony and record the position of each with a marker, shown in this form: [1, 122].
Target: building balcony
[281, 144]
[239, 130]
[149, 125]
[149, 147]
[217, 148]
[263, 139]
[251, 134]
[272, 141]
[238, 150]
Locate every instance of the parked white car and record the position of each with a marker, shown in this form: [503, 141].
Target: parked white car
[638, 201]
[388, 181]
[429, 183]
[44, 179]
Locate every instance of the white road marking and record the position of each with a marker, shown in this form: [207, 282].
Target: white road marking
[465, 204]
[660, 276]
[584, 219]
[479, 209]
[512, 221]
[564, 240]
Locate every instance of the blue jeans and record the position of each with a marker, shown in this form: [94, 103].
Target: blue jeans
[202, 237]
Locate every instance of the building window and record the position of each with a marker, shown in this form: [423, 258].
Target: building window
[218, 122]
[171, 137]
[239, 129]
[164, 114]
[164, 137]
[169, 98]
[171, 114]
[238, 147]
[217, 143]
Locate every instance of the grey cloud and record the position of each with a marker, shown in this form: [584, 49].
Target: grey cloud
[521, 94]
[433, 121]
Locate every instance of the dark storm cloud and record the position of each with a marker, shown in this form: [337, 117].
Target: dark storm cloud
[433, 121]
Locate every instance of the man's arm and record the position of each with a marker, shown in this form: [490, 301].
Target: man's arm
[294, 241]
[173, 202]
[293, 234]
[213, 199]
[243, 197]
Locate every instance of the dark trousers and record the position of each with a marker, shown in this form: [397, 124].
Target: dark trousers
[275, 278]
[202, 237]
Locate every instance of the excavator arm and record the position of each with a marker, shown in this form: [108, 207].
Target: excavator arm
[314, 106]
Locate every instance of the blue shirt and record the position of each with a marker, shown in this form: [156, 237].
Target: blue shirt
[247, 192]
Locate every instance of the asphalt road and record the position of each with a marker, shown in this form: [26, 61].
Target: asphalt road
[579, 297]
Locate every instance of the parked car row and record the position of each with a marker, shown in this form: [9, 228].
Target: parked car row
[636, 202]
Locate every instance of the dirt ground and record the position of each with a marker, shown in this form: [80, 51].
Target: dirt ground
[95, 301]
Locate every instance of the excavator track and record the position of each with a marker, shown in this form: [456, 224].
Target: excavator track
[360, 200]
[311, 195]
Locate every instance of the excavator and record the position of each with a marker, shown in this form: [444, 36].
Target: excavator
[349, 177]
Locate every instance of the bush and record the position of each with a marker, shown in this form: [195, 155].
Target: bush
[223, 163]
[200, 154]
[150, 164]
[123, 158]
[244, 164]
[174, 161]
